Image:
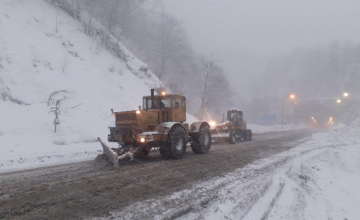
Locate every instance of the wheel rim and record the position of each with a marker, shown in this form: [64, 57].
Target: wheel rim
[178, 143]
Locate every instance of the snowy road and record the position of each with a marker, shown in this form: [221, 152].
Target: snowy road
[89, 189]
[317, 179]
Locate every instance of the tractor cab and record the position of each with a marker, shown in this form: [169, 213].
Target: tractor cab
[236, 117]
[171, 108]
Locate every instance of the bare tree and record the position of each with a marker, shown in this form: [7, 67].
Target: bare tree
[56, 111]
[170, 46]
[51, 97]
[92, 10]
[75, 8]
[72, 9]
[214, 88]
[56, 18]
[65, 62]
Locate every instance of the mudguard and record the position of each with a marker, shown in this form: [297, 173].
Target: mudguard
[194, 131]
[165, 127]
[196, 126]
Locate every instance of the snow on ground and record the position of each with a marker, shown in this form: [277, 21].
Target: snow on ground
[259, 129]
[35, 61]
[317, 179]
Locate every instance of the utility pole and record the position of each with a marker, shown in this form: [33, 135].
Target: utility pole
[292, 97]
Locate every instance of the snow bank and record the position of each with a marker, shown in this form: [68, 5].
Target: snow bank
[36, 61]
[351, 131]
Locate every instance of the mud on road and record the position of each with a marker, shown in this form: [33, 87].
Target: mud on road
[93, 189]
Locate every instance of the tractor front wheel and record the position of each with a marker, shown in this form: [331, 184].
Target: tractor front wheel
[175, 145]
[232, 137]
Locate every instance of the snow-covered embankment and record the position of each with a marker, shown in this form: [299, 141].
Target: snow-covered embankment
[44, 50]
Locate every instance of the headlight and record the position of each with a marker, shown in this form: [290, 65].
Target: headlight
[142, 140]
[138, 112]
[213, 123]
[113, 114]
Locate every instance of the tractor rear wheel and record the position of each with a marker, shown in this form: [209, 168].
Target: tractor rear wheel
[247, 135]
[175, 145]
[202, 143]
[232, 137]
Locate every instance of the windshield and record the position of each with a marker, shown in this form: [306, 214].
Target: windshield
[165, 102]
[160, 103]
[231, 116]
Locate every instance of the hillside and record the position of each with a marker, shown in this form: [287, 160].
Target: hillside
[44, 50]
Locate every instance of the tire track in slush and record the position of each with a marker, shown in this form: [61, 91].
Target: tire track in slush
[255, 182]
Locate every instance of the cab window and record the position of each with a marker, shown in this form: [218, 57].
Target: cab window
[165, 102]
[178, 103]
[231, 116]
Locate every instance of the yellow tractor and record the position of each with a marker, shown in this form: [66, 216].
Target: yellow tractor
[232, 129]
[161, 124]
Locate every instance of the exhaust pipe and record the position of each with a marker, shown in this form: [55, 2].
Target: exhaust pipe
[152, 97]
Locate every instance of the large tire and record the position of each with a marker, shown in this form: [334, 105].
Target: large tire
[250, 135]
[201, 144]
[175, 145]
[232, 137]
[245, 135]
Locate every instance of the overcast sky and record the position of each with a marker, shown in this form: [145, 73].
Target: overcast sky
[242, 32]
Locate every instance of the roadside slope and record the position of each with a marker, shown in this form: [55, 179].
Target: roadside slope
[44, 50]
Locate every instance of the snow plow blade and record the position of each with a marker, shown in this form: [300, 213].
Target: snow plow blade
[110, 154]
